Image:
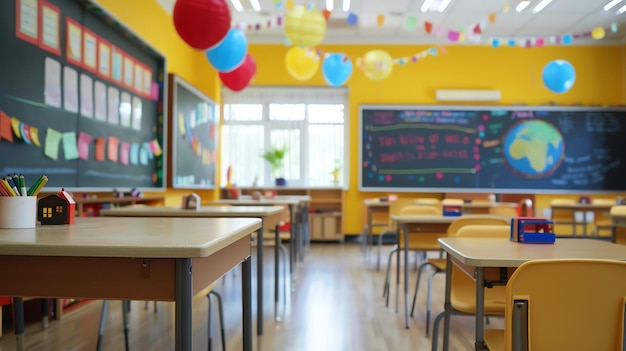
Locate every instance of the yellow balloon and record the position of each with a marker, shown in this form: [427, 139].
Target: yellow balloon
[377, 64]
[305, 27]
[302, 63]
[597, 33]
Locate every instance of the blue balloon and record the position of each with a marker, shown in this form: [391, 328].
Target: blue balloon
[230, 52]
[352, 19]
[337, 68]
[559, 76]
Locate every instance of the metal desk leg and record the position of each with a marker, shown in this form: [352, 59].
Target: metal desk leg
[44, 314]
[18, 310]
[246, 296]
[480, 309]
[446, 304]
[276, 271]
[406, 276]
[183, 305]
[292, 245]
[259, 279]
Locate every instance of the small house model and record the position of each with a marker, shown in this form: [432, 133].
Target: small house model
[56, 209]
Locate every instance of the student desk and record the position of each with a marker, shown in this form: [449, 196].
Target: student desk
[130, 200]
[416, 224]
[166, 259]
[584, 208]
[373, 207]
[269, 215]
[483, 258]
[293, 202]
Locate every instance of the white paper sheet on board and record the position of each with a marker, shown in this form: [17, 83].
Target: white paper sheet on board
[52, 90]
[70, 89]
[86, 96]
[137, 113]
[114, 105]
[100, 97]
[125, 110]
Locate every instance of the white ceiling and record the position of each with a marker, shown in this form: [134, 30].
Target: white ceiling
[575, 17]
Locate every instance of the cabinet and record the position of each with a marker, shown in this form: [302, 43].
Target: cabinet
[326, 209]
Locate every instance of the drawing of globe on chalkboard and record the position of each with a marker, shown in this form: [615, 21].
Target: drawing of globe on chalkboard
[533, 148]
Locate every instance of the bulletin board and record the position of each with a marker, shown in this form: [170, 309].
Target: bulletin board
[194, 121]
[81, 98]
[512, 149]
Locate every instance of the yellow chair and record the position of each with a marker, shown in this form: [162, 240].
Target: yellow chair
[439, 264]
[569, 304]
[463, 288]
[429, 202]
[619, 234]
[506, 209]
[417, 243]
[563, 217]
[601, 218]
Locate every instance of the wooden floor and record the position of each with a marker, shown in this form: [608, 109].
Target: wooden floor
[337, 304]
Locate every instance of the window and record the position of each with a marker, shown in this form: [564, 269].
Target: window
[310, 122]
[47, 212]
[59, 209]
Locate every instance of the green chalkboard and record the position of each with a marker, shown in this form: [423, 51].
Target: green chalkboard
[81, 98]
[497, 149]
[194, 129]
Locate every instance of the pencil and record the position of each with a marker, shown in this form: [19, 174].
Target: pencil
[43, 182]
[8, 187]
[34, 186]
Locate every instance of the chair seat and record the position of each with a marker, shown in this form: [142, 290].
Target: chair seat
[438, 263]
[494, 338]
[464, 300]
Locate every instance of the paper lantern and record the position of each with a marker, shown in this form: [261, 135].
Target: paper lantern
[598, 33]
[559, 76]
[302, 63]
[377, 64]
[201, 23]
[240, 77]
[305, 27]
[230, 52]
[337, 68]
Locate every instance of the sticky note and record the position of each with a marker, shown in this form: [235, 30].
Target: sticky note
[53, 139]
[25, 130]
[5, 127]
[15, 125]
[100, 145]
[124, 152]
[134, 153]
[143, 156]
[156, 149]
[84, 140]
[34, 135]
[112, 148]
[69, 146]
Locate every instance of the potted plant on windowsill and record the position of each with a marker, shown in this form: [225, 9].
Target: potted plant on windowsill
[275, 157]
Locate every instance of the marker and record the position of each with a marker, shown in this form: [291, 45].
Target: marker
[23, 185]
[12, 185]
[8, 187]
[43, 182]
[34, 186]
[16, 181]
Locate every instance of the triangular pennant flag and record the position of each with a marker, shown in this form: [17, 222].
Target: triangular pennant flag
[326, 14]
[477, 29]
[492, 17]
[453, 35]
[380, 20]
[428, 26]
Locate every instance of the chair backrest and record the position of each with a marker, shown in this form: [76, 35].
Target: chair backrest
[467, 220]
[572, 304]
[484, 231]
[452, 202]
[420, 210]
[603, 202]
[507, 209]
[424, 240]
[564, 218]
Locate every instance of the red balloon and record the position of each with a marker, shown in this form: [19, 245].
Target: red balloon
[201, 23]
[240, 77]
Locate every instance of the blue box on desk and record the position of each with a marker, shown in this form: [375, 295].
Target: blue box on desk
[532, 230]
[452, 210]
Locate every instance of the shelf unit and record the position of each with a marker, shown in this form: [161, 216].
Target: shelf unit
[326, 209]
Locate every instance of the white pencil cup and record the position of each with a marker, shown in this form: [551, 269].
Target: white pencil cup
[18, 211]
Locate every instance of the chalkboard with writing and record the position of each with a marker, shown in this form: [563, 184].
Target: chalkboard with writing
[194, 128]
[497, 149]
[81, 98]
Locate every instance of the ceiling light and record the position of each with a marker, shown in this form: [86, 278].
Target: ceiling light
[442, 5]
[426, 5]
[523, 4]
[330, 4]
[346, 5]
[237, 5]
[621, 10]
[541, 5]
[610, 4]
[255, 5]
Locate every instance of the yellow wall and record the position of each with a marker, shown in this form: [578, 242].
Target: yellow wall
[516, 72]
[153, 24]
